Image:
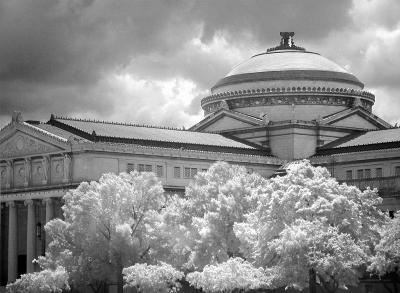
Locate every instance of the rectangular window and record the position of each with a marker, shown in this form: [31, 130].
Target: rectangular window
[177, 172]
[148, 168]
[360, 174]
[204, 170]
[190, 172]
[187, 172]
[367, 173]
[349, 175]
[397, 171]
[141, 167]
[160, 171]
[129, 167]
[378, 172]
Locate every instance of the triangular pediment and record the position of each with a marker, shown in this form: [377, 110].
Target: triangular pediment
[355, 121]
[356, 118]
[17, 143]
[226, 120]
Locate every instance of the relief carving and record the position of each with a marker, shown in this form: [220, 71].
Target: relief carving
[279, 100]
[9, 174]
[46, 169]
[22, 145]
[67, 168]
[28, 171]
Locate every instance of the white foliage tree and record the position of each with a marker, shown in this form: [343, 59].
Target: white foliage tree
[234, 274]
[108, 225]
[46, 281]
[307, 223]
[386, 260]
[162, 278]
[201, 223]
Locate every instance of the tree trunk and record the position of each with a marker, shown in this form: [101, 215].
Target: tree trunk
[120, 280]
[312, 281]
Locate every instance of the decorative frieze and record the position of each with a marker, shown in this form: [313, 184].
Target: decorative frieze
[283, 100]
[290, 95]
[289, 90]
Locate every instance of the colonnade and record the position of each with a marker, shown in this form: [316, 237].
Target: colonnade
[31, 233]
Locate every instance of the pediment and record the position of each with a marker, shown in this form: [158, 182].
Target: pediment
[23, 144]
[356, 118]
[226, 123]
[355, 121]
[226, 120]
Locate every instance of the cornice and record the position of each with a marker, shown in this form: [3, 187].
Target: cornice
[27, 195]
[354, 155]
[134, 149]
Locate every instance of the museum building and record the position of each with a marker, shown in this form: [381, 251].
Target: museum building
[279, 106]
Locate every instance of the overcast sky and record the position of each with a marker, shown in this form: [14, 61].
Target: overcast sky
[152, 61]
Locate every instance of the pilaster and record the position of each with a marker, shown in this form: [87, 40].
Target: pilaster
[12, 242]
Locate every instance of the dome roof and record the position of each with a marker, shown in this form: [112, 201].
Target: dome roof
[288, 62]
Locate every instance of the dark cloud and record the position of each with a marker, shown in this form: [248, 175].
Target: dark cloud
[61, 56]
[264, 19]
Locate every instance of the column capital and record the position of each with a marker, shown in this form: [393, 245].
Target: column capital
[47, 200]
[28, 202]
[11, 204]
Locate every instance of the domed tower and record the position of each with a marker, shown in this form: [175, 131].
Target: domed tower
[289, 101]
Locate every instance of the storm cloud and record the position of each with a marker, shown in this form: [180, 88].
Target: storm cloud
[152, 61]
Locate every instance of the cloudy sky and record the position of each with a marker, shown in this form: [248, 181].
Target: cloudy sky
[152, 61]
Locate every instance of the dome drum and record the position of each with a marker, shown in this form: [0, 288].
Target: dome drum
[300, 96]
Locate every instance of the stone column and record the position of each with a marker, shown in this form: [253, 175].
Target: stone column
[30, 236]
[49, 214]
[12, 242]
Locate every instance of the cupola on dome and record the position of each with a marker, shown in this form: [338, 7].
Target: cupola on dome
[287, 75]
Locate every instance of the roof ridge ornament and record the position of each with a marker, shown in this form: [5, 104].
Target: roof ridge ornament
[17, 117]
[287, 43]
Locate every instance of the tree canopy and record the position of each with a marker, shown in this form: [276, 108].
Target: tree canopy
[107, 226]
[201, 223]
[307, 222]
[231, 230]
[386, 261]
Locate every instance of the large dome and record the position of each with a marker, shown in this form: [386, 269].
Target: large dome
[288, 65]
[288, 75]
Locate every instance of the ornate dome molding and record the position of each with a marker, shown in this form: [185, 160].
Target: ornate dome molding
[294, 95]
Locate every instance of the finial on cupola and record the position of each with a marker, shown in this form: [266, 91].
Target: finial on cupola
[287, 43]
